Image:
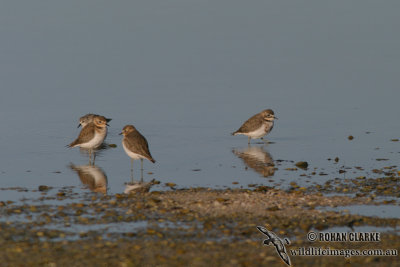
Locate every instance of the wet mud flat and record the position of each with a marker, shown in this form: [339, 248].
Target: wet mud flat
[184, 227]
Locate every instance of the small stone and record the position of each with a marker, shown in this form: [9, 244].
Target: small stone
[33, 209]
[302, 164]
[273, 208]
[43, 188]
[222, 200]
[151, 231]
[39, 234]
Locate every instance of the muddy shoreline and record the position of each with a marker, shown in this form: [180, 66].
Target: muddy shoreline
[196, 227]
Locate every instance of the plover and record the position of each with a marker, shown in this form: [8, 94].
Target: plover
[135, 146]
[258, 125]
[88, 118]
[92, 135]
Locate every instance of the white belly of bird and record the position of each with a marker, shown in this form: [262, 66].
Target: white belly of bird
[95, 142]
[261, 131]
[131, 154]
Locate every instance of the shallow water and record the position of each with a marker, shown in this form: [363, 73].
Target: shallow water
[384, 211]
[187, 74]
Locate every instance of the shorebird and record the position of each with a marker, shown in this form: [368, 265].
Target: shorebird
[135, 146]
[92, 135]
[258, 125]
[88, 118]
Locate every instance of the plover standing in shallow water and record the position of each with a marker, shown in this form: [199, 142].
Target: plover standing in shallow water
[258, 125]
[92, 135]
[135, 146]
[88, 118]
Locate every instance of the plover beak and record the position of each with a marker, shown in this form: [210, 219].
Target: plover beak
[79, 125]
[120, 133]
[107, 125]
[275, 118]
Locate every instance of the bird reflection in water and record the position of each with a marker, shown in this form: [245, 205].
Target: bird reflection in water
[258, 159]
[91, 176]
[138, 187]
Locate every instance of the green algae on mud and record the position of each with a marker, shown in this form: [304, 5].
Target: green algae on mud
[170, 252]
[179, 227]
[388, 186]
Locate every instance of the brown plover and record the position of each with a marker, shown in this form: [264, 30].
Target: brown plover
[258, 125]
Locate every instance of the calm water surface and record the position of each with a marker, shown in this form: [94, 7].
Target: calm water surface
[187, 74]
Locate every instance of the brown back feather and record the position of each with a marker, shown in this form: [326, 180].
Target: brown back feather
[137, 143]
[86, 134]
[251, 124]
